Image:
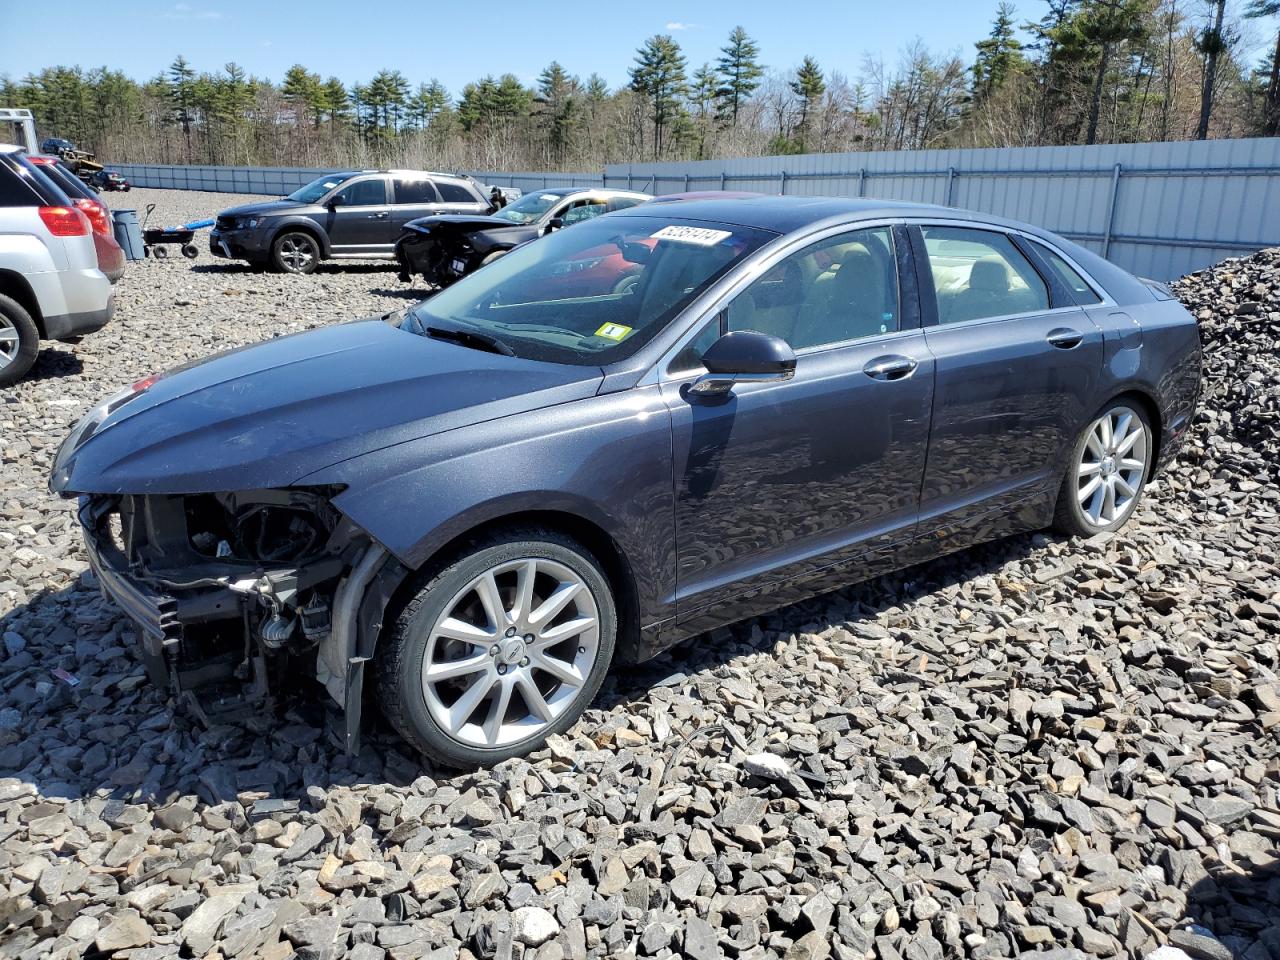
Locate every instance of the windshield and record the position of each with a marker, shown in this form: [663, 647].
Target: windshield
[591, 295]
[316, 189]
[529, 207]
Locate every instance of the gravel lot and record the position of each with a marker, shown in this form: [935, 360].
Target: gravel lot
[1066, 749]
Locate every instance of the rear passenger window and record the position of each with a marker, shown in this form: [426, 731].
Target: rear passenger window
[838, 289]
[415, 191]
[455, 193]
[979, 274]
[1084, 294]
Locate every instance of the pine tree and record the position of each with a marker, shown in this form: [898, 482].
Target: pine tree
[181, 84]
[659, 77]
[740, 72]
[1213, 43]
[809, 85]
[1106, 24]
[999, 55]
[1271, 113]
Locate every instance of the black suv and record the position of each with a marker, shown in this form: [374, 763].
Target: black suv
[357, 214]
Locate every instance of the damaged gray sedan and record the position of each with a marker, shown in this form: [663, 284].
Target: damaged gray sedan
[465, 512]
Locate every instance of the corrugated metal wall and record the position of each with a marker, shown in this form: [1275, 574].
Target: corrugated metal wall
[276, 181]
[1157, 209]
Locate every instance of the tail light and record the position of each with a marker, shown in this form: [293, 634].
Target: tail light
[65, 221]
[96, 211]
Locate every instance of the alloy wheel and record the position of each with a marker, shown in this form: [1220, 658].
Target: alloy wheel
[511, 652]
[10, 342]
[1112, 466]
[297, 253]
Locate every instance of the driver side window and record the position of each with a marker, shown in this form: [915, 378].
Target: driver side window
[689, 359]
[363, 193]
[835, 290]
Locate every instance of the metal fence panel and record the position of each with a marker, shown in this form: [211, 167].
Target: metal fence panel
[275, 181]
[1158, 209]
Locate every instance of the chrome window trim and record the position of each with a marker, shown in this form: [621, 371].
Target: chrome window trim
[727, 288]
[977, 321]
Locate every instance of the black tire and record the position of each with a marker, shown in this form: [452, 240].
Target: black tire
[160, 253]
[295, 251]
[190, 251]
[16, 361]
[1070, 516]
[404, 642]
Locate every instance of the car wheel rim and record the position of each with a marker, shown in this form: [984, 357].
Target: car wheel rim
[1112, 466]
[511, 652]
[297, 253]
[9, 342]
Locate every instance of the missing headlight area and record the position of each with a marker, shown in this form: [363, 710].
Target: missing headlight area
[233, 593]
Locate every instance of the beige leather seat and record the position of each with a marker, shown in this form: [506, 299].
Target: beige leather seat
[987, 293]
[849, 306]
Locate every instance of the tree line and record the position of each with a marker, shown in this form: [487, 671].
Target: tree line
[1092, 71]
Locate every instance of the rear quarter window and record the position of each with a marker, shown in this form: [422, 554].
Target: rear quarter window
[1070, 277]
[455, 193]
[15, 190]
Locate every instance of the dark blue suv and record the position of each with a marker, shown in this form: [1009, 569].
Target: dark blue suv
[479, 503]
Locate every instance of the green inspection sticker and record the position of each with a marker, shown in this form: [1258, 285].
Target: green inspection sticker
[613, 331]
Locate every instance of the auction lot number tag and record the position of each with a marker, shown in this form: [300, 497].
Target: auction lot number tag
[702, 236]
[613, 331]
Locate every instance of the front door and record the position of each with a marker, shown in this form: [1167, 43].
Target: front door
[1018, 366]
[783, 489]
[360, 221]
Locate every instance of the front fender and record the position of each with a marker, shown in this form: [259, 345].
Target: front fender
[605, 459]
[300, 221]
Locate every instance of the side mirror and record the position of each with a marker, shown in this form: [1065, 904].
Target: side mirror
[555, 223]
[744, 356]
[334, 201]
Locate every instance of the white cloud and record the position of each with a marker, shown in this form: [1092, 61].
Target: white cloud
[674, 25]
[185, 11]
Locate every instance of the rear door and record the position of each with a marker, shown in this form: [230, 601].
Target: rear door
[1018, 363]
[360, 222]
[411, 198]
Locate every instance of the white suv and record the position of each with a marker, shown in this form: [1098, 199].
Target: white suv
[50, 284]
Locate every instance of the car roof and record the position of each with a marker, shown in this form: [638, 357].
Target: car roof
[11, 148]
[598, 191]
[783, 215]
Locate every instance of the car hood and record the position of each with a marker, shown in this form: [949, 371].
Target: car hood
[269, 415]
[264, 207]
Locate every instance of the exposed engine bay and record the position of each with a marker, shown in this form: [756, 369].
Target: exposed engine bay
[235, 594]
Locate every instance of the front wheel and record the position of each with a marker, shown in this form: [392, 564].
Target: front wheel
[498, 650]
[1109, 467]
[295, 252]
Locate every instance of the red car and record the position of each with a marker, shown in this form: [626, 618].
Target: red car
[111, 258]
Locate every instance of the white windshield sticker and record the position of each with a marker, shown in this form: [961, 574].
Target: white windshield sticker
[549, 197]
[702, 236]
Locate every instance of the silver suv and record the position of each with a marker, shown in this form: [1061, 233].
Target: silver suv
[50, 284]
[356, 214]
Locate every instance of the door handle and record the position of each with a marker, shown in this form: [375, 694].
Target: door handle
[892, 367]
[1064, 338]
[377, 216]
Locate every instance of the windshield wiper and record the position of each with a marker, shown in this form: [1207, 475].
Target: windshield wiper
[471, 338]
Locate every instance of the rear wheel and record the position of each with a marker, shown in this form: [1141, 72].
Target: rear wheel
[500, 649]
[295, 252]
[1108, 470]
[19, 341]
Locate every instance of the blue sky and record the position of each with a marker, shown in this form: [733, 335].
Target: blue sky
[458, 42]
